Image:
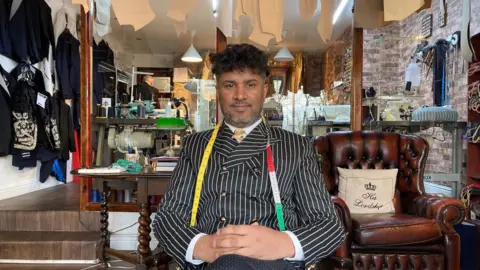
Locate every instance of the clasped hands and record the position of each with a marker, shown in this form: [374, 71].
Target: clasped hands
[252, 241]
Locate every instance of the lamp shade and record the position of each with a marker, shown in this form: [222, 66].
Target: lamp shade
[191, 86]
[191, 55]
[283, 55]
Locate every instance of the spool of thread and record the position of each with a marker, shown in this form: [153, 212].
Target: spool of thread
[140, 111]
[153, 199]
[103, 111]
[120, 196]
[111, 112]
[131, 157]
[128, 195]
[112, 197]
[99, 113]
[95, 195]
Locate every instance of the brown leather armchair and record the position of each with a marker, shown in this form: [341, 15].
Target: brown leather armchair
[420, 234]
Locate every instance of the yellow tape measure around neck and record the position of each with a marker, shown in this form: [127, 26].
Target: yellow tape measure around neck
[201, 174]
[271, 172]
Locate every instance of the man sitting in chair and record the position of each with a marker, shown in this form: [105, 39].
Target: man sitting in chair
[246, 195]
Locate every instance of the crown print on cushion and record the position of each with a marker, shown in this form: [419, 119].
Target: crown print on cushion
[369, 186]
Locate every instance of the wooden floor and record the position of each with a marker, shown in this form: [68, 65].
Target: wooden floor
[58, 198]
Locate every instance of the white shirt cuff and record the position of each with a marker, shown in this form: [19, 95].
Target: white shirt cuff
[191, 246]
[299, 256]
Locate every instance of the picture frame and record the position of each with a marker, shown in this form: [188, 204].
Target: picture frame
[162, 84]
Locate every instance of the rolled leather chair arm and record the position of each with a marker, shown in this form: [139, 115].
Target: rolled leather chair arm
[336, 262]
[343, 212]
[448, 212]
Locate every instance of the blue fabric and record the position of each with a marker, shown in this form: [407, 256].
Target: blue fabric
[469, 249]
[58, 171]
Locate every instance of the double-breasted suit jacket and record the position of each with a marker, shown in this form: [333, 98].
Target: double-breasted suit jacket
[236, 190]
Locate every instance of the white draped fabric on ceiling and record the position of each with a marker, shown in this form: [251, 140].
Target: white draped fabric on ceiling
[266, 16]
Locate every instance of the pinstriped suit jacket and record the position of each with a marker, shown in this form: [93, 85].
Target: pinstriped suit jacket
[236, 190]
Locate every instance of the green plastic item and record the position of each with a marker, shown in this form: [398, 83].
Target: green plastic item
[128, 165]
[171, 123]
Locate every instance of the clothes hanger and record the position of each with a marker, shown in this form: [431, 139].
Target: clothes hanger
[476, 134]
[27, 72]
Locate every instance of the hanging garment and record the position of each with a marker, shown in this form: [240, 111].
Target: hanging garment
[67, 65]
[63, 115]
[32, 109]
[31, 31]
[101, 22]
[7, 84]
[67, 141]
[5, 47]
[76, 157]
[23, 104]
[439, 62]
[66, 17]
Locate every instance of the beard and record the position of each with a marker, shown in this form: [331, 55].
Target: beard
[241, 123]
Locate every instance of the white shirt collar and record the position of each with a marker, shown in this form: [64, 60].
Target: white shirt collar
[246, 129]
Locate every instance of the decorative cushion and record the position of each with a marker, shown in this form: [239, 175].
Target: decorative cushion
[393, 229]
[367, 191]
[435, 114]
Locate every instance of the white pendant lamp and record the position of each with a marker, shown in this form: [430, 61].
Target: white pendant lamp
[284, 54]
[191, 55]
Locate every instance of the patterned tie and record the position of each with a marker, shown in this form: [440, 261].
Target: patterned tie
[239, 134]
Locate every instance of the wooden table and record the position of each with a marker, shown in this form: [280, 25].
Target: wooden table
[146, 183]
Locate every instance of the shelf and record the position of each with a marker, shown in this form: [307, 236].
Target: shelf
[395, 97]
[375, 100]
[174, 124]
[123, 121]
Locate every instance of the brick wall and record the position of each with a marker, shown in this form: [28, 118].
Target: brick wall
[385, 63]
[314, 70]
[337, 68]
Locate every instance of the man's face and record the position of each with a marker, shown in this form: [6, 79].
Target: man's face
[149, 81]
[241, 95]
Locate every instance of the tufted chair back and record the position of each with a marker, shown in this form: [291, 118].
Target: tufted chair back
[376, 150]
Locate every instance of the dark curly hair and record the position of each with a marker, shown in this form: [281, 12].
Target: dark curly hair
[240, 57]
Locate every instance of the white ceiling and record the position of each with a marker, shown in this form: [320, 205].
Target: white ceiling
[160, 36]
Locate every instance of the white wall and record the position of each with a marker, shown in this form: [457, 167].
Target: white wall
[153, 60]
[126, 239]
